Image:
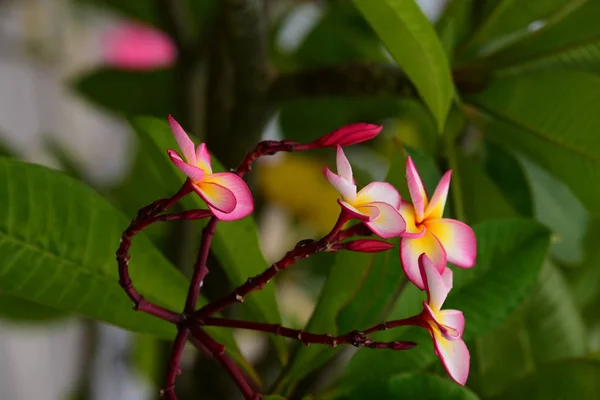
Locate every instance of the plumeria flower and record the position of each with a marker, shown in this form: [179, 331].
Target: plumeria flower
[225, 193]
[376, 204]
[445, 326]
[442, 239]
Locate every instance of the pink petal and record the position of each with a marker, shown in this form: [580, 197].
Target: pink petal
[412, 248]
[183, 140]
[365, 246]
[453, 319]
[436, 286]
[454, 355]
[388, 223]
[135, 46]
[381, 192]
[435, 208]
[203, 158]
[243, 202]
[363, 215]
[346, 188]
[343, 165]
[416, 189]
[194, 173]
[432, 316]
[408, 213]
[458, 240]
[349, 134]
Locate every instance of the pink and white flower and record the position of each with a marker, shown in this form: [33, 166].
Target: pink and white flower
[445, 326]
[225, 193]
[376, 204]
[442, 239]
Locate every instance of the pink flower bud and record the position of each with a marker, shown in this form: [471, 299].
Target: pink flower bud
[348, 135]
[364, 246]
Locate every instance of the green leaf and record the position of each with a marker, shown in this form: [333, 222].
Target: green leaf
[510, 254]
[58, 243]
[510, 22]
[413, 43]
[235, 243]
[454, 25]
[427, 387]
[545, 328]
[573, 379]
[128, 92]
[573, 42]
[558, 209]
[23, 311]
[547, 117]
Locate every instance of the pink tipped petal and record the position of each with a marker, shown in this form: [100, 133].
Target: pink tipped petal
[356, 213]
[435, 208]
[454, 355]
[243, 205]
[447, 278]
[410, 251]
[453, 319]
[381, 192]
[388, 223]
[458, 240]
[416, 189]
[408, 213]
[346, 188]
[349, 134]
[217, 196]
[435, 284]
[194, 173]
[183, 140]
[203, 158]
[344, 169]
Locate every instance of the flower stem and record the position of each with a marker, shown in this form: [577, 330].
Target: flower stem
[173, 367]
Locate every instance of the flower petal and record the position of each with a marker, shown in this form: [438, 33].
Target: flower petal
[416, 189]
[203, 158]
[453, 319]
[412, 248]
[432, 318]
[458, 240]
[436, 286]
[388, 223]
[454, 355]
[408, 213]
[346, 188]
[435, 208]
[379, 192]
[183, 140]
[244, 204]
[343, 165]
[364, 215]
[194, 173]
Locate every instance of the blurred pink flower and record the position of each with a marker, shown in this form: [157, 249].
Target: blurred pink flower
[134, 46]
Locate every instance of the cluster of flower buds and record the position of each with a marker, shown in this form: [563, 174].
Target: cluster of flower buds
[428, 241]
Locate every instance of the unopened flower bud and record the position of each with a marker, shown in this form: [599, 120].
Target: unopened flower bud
[348, 135]
[364, 246]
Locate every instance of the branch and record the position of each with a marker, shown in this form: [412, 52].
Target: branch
[173, 367]
[302, 250]
[200, 268]
[346, 80]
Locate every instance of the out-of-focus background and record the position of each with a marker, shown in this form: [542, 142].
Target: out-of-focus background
[73, 74]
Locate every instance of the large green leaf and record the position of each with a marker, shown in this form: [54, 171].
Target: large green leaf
[546, 327]
[510, 254]
[129, 92]
[454, 25]
[512, 21]
[573, 379]
[23, 311]
[235, 243]
[549, 117]
[58, 240]
[427, 387]
[413, 43]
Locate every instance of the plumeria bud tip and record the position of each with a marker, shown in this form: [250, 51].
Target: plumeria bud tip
[348, 135]
[365, 246]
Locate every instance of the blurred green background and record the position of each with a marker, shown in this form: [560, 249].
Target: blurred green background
[504, 92]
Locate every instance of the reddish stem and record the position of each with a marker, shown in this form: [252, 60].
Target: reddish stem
[201, 339]
[200, 268]
[265, 148]
[354, 338]
[173, 367]
[303, 249]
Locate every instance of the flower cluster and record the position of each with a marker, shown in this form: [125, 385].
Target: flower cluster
[428, 240]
